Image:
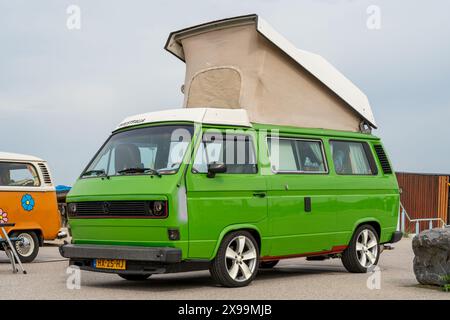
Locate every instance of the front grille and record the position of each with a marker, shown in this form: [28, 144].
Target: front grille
[116, 209]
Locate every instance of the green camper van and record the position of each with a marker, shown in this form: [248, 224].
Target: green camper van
[201, 188]
[271, 157]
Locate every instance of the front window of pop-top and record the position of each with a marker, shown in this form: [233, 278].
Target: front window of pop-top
[149, 150]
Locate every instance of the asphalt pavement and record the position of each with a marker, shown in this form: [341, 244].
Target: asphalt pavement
[48, 278]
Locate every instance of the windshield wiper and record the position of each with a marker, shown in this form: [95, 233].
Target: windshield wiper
[96, 172]
[140, 170]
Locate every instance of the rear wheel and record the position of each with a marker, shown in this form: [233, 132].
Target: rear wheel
[237, 260]
[364, 250]
[134, 277]
[27, 247]
[268, 264]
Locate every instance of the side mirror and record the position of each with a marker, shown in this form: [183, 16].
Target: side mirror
[216, 167]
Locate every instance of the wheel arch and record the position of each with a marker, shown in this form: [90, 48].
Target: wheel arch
[37, 231]
[254, 231]
[375, 223]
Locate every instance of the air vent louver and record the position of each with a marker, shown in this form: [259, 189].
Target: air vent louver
[383, 159]
[45, 173]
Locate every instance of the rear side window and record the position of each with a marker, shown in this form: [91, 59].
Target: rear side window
[296, 155]
[352, 158]
[18, 175]
[235, 150]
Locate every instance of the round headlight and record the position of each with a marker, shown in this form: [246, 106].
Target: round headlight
[72, 207]
[158, 208]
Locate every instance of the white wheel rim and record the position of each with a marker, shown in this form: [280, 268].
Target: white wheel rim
[366, 248]
[25, 246]
[240, 258]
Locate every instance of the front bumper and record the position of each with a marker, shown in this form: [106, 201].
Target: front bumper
[148, 254]
[139, 260]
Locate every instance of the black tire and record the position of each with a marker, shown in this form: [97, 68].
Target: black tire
[28, 236]
[268, 264]
[134, 277]
[350, 256]
[219, 265]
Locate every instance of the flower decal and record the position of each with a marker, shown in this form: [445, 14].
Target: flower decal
[3, 217]
[27, 202]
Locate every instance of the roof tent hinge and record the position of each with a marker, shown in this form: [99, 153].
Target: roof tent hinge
[364, 127]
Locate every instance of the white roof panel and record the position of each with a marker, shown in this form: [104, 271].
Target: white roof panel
[6, 156]
[235, 117]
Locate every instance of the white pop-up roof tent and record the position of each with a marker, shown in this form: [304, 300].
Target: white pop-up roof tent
[242, 62]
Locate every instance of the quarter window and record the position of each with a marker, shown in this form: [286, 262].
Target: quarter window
[352, 158]
[296, 155]
[18, 175]
[235, 150]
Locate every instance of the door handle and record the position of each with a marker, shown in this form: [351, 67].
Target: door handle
[307, 204]
[259, 194]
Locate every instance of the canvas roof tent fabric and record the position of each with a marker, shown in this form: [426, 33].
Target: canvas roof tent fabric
[242, 62]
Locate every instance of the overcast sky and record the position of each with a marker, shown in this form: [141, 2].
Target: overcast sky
[62, 91]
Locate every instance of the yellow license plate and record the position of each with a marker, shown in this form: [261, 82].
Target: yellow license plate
[115, 264]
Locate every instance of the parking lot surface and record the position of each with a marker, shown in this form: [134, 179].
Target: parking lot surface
[47, 278]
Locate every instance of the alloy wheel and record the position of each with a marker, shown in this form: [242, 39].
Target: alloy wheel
[366, 248]
[240, 259]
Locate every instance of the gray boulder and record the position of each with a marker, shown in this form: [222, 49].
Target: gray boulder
[432, 256]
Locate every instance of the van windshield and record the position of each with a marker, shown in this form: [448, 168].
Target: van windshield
[151, 150]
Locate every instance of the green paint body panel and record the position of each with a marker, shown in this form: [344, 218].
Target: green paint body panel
[216, 206]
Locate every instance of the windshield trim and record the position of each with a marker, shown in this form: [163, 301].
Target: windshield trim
[162, 172]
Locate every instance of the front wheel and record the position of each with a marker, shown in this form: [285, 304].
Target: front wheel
[27, 247]
[364, 250]
[237, 260]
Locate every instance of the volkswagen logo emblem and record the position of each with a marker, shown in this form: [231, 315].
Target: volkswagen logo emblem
[106, 206]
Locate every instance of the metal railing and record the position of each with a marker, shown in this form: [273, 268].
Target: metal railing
[404, 215]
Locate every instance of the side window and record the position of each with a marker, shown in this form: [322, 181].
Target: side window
[18, 175]
[352, 158]
[296, 155]
[237, 151]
